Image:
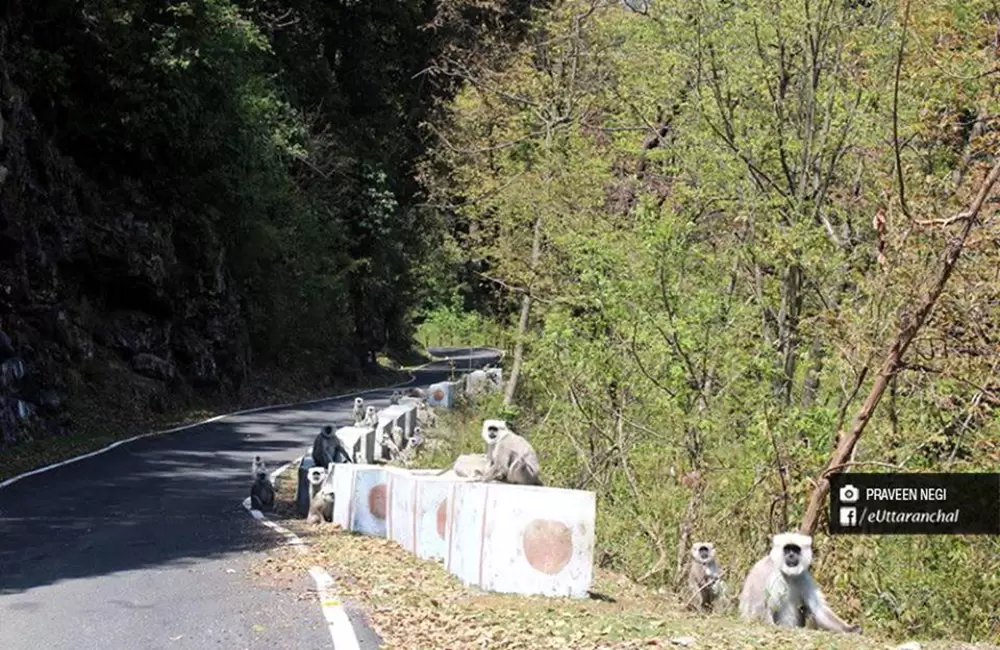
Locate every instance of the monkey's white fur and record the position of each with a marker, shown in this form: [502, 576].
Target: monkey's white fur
[511, 458]
[257, 468]
[371, 416]
[388, 440]
[471, 466]
[704, 577]
[359, 410]
[777, 594]
[316, 476]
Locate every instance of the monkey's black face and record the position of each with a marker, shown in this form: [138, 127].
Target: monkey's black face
[793, 555]
[703, 552]
[492, 432]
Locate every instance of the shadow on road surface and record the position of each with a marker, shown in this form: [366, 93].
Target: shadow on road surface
[166, 500]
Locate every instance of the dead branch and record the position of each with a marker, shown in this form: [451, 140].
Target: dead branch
[910, 326]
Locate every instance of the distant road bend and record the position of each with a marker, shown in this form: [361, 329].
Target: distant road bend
[147, 547]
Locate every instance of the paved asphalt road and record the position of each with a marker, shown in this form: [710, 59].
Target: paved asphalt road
[147, 546]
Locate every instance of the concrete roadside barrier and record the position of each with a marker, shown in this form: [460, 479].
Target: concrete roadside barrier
[419, 504]
[441, 394]
[359, 441]
[522, 539]
[360, 498]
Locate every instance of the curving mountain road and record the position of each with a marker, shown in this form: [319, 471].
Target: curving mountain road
[147, 546]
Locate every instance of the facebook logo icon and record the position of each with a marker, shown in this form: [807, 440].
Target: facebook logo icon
[849, 516]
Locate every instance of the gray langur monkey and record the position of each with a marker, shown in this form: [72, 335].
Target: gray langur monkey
[417, 439]
[320, 501]
[261, 491]
[780, 590]
[426, 416]
[704, 577]
[471, 466]
[395, 397]
[359, 411]
[511, 458]
[388, 440]
[371, 417]
[327, 448]
[413, 444]
[315, 476]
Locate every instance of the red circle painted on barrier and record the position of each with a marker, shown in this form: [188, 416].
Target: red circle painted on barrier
[376, 501]
[548, 545]
[442, 518]
[438, 395]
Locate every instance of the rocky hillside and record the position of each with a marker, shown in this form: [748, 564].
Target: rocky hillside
[197, 194]
[96, 282]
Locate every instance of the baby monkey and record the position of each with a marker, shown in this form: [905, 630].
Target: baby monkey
[704, 577]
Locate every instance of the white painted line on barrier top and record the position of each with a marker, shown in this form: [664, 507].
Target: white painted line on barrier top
[258, 409]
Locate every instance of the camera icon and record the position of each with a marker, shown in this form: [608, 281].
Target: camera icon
[849, 516]
[849, 494]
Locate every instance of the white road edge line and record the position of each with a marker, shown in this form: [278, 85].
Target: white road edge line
[258, 409]
[337, 622]
[341, 630]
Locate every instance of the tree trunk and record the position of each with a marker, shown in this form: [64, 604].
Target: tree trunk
[788, 325]
[522, 323]
[810, 386]
[911, 325]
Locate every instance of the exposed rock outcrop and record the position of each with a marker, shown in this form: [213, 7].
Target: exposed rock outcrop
[92, 277]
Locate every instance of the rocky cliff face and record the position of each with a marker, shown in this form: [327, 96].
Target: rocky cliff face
[101, 292]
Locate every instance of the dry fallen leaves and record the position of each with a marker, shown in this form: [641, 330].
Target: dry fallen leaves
[415, 604]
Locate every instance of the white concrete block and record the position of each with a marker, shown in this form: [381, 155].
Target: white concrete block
[522, 539]
[419, 511]
[409, 417]
[359, 441]
[403, 416]
[402, 487]
[441, 394]
[360, 498]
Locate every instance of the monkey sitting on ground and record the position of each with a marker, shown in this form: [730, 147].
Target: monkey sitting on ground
[261, 491]
[395, 397]
[413, 444]
[417, 439]
[704, 579]
[511, 458]
[359, 411]
[426, 416]
[327, 448]
[320, 501]
[780, 590]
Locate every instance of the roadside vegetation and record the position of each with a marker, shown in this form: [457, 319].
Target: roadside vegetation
[415, 604]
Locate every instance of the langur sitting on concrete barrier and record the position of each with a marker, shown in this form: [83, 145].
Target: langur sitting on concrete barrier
[511, 458]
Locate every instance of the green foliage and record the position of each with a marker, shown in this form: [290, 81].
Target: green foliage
[276, 135]
[712, 285]
[449, 326]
